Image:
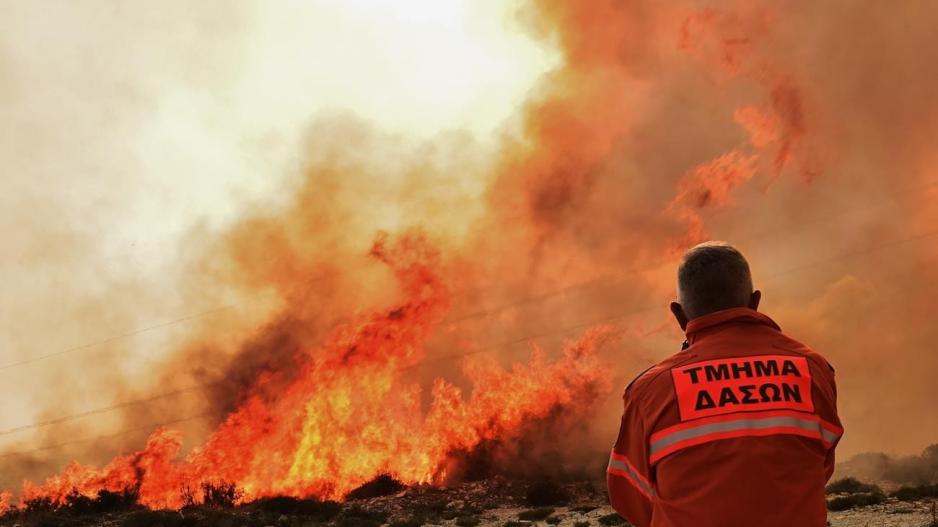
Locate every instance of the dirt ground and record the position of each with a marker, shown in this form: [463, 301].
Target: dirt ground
[493, 503]
[588, 504]
[888, 515]
[502, 504]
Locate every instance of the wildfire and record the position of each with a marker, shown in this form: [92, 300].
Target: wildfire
[653, 116]
[348, 411]
[350, 414]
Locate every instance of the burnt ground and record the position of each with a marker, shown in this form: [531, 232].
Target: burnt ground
[496, 502]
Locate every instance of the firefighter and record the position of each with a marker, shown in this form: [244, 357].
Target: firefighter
[739, 427]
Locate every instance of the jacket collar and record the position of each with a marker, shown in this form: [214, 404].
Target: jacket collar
[734, 315]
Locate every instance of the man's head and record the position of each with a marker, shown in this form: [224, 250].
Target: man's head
[712, 276]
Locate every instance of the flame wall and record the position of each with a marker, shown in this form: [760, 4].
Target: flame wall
[376, 296]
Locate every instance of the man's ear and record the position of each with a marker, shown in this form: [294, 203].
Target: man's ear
[679, 315]
[754, 299]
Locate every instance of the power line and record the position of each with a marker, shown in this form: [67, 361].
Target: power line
[502, 345]
[135, 332]
[918, 237]
[774, 276]
[121, 336]
[105, 409]
[470, 316]
[435, 359]
[139, 331]
[149, 426]
[651, 265]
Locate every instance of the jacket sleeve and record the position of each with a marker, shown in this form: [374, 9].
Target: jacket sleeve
[826, 409]
[628, 477]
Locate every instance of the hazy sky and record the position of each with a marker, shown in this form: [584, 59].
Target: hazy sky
[165, 159]
[124, 124]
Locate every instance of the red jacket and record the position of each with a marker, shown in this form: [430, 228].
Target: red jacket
[738, 429]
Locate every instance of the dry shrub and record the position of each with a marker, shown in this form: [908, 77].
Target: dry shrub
[382, 485]
[855, 500]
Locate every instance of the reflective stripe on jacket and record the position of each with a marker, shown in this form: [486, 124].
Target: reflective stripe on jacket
[738, 429]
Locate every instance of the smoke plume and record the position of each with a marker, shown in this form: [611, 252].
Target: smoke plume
[400, 306]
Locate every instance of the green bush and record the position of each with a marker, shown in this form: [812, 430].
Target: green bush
[40, 504]
[612, 519]
[553, 520]
[851, 486]
[413, 521]
[358, 517]
[56, 519]
[148, 518]
[433, 511]
[78, 503]
[855, 500]
[468, 521]
[544, 493]
[539, 513]
[220, 495]
[909, 493]
[215, 517]
[581, 524]
[322, 511]
[116, 501]
[383, 485]
[105, 501]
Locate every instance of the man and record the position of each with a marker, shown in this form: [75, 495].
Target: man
[739, 428]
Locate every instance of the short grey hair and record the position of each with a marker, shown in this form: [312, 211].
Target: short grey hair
[713, 276]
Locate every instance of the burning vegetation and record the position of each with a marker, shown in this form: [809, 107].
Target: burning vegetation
[372, 356]
[382, 501]
[347, 414]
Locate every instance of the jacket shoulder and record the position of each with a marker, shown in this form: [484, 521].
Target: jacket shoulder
[789, 344]
[647, 378]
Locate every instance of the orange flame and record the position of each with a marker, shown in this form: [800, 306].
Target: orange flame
[657, 114]
[350, 414]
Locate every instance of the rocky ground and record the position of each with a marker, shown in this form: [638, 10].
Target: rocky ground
[496, 503]
[893, 513]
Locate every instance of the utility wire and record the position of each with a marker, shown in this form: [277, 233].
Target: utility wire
[653, 264]
[453, 356]
[104, 409]
[493, 347]
[149, 426]
[651, 307]
[135, 332]
[121, 336]
[462, 318]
